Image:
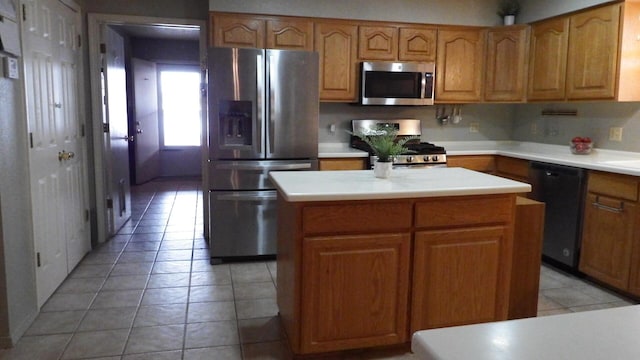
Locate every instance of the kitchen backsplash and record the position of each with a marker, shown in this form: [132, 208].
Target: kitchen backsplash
[520, 122]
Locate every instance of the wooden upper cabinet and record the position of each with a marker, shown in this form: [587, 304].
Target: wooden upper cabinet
[460, 65]
[417, 44]
[507, 52]
[289, 34]
[592, 65]
[337, 46]
[232, 30]
[548, 59]
[377, 43]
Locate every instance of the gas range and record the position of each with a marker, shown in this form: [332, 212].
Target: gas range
[420, 155]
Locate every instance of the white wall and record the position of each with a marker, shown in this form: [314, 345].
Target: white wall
[458, 12]
[533, 10]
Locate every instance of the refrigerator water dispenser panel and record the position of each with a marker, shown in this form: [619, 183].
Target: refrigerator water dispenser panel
[235, 127]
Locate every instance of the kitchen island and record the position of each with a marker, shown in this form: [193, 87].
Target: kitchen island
[365, 262]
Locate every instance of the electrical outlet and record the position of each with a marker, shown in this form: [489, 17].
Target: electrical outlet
[534, 128]
[615, 134]
[474, 127]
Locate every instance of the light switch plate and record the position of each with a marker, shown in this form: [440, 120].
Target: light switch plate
[10, 67]
[615, 134]
[474, 127]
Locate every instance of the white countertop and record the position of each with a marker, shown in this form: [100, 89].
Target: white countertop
[622, 162]
[590, 335]
[403, 183]
[339, 150]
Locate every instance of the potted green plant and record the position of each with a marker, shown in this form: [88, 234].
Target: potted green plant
[385, 144]
[508, 10]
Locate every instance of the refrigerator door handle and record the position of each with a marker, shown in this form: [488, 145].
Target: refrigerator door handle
[271, 124]
[237, 166]
[249, 196]
[260, 111]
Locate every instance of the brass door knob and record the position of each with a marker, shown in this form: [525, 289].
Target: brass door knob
[65, 155]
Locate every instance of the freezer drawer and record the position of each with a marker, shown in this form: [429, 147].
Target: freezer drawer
[251, 175]
[243, 223]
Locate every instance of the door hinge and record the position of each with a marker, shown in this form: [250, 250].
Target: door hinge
[82, 130]
[86, 215]
[105, 127]
[31, 140]
[109, 203]
[24, 12]
[38, 259]
[103, 48]
[79, 40]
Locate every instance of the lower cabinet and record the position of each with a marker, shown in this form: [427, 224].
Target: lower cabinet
[458, 277]
[342, 164]
[356, 290]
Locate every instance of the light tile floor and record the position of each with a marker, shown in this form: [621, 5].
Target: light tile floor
[150, 293]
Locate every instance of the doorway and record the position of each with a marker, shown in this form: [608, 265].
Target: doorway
[146, 42]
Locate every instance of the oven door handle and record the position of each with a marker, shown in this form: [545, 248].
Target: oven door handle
[256, 167]
[249, 196]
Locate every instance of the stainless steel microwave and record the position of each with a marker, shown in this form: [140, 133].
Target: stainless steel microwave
[397, 83]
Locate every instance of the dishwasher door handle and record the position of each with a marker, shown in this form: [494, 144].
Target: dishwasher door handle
[607, 207]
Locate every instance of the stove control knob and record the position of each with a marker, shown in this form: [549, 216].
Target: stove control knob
[426, 158]
[409, 159]
[434, 158]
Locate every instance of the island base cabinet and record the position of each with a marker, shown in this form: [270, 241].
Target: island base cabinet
[460, 277]
[356, 291]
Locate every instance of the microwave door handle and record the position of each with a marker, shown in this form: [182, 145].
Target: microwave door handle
[259, 101]
[423, 88]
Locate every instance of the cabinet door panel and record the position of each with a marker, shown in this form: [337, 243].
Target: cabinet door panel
[459, 277]
[237, 31]
[593, 54]
[417, 44]
[607, 238]
[507, 49]
[548, 59]
[290, 34]
[357, 291]
[336, 45]
[378, 43]
[460, 65]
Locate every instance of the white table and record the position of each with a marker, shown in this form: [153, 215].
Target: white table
[591, 335]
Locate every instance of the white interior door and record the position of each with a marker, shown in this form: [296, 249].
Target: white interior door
[57, 158]
[118, 139]
[147, 140]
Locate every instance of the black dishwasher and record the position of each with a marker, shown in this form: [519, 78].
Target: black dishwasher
[562, 189]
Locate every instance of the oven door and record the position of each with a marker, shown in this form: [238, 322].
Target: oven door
[243, 223]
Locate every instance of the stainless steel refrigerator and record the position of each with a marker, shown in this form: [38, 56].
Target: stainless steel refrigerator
[263, 116]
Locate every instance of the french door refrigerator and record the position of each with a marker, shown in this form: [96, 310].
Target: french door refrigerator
[263, 116]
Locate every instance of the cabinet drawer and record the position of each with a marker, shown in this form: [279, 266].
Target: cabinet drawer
[364, 217]
[454, 211]
[484, 163]
[619, 186]
[342, 164]
[516, 167]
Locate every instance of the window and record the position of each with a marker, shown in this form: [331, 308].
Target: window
[180, 105]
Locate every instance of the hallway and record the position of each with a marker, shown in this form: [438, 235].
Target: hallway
[150, 293]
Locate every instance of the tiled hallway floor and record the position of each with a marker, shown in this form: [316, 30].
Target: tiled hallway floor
[150, 293]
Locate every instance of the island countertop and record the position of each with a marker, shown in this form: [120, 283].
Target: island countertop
[296, 186]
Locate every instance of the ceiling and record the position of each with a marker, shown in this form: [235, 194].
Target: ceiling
[171, 32]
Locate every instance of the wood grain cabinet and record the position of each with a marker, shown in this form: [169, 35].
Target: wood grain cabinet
[592, 60]
[378, 42]
[548, 59]
[417, 43]
[236, 30]
[507, 59]
[482, 163]
[337, 46]
[342, 163]
[460, 65]
[289, 34]
[512, 168]
[609, 234]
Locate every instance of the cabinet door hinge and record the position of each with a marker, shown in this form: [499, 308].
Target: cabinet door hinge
[86, 215]
[103, 48]
[109, 203]
[24, 12]
[79, 40]
[31, 140]
[38, 259]
[82, 130]
[105, 128]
